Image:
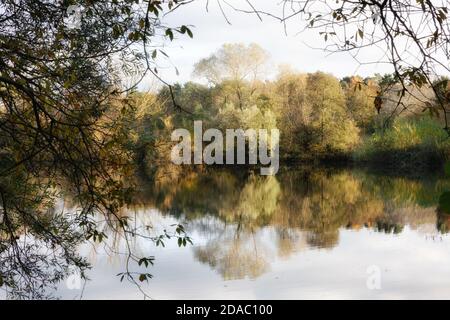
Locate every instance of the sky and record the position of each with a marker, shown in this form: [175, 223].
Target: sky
[302, 51]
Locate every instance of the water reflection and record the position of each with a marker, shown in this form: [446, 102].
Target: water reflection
[231, 211]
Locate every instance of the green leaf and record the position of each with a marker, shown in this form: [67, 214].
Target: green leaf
[142, 277]
[169, 33]
[185, 29]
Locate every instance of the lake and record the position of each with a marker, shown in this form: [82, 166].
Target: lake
[324, 233]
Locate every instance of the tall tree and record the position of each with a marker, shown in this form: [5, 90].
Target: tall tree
[232, 66]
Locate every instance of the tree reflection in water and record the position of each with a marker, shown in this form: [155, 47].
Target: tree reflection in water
[233, 210]
[302, 208]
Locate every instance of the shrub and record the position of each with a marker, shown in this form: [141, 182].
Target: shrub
[407, 143]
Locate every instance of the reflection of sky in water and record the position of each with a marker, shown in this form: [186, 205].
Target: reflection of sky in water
[293, 238]
[413, 265]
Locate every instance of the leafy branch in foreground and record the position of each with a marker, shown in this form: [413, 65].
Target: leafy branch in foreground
[62, 91]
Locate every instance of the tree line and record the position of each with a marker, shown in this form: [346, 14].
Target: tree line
[319, 115]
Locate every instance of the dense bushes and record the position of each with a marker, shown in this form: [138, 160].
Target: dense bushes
[420, 142]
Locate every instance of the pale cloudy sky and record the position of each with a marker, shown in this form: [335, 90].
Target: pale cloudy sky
[211, 30]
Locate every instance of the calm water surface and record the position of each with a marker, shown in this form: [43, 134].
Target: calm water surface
[302, 234]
